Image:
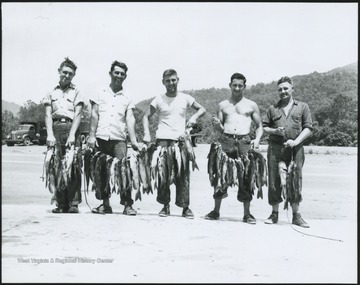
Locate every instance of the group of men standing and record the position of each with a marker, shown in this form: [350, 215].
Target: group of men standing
[288, 123]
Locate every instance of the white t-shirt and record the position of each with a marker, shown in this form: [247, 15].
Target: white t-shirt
[112, 114]
[172, 114]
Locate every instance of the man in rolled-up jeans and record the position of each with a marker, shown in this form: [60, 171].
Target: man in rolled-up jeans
[234, 118]
[63, 109]
[112, 118]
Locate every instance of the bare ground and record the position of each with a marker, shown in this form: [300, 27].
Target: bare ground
[38, 246]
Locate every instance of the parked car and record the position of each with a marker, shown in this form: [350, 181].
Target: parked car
[27, 133]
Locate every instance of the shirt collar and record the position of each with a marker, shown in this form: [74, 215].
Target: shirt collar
[71, 85]
[121, 92]
[278, 105]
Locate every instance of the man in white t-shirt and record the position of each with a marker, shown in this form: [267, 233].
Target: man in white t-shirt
[112, 118]
[171, 108]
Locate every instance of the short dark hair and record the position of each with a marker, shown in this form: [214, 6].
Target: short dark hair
[169, 72]
[238, 76]
[119, 64]
[284, 79]
[67, 62]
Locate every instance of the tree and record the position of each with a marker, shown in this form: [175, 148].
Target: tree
[8, 124]
[32, 112]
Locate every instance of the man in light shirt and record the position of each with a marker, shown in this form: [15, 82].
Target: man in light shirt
[63, 109]
[112, 118]
[171, 108]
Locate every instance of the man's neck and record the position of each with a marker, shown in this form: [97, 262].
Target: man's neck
[173, 94]
[116, 88]
[286, 102]
[236, 99]
[64, 87]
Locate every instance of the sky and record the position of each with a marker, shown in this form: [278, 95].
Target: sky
[204, 42]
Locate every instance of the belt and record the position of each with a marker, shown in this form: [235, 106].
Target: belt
[62, 120]
[233, 136]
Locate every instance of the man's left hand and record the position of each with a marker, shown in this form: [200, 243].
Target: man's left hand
[289, 143]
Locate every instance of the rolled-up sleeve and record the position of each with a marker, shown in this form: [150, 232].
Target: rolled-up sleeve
[266, 119]
[306, 117]
[79, 99]
[47, 99]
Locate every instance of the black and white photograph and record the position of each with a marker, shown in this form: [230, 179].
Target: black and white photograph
[179, 142]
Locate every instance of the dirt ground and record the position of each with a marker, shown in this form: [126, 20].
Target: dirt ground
[38, 246]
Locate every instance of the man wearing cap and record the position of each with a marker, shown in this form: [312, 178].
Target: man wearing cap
[288, 123]
[63, 109]
[171, 108]
[112, 118]
[233, 121]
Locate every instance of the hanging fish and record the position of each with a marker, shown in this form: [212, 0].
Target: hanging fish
[48, 163]
[113, 176]
[135, 178]
[87, 166]
[108, 164]
[189, 150]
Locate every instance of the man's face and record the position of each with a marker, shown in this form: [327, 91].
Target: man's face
[237, 86]
[118, 76]
[285, 90]
[66, 75]
[171, 83]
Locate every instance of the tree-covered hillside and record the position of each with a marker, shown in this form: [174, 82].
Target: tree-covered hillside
[331, 96]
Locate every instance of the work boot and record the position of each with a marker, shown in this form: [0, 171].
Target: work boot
[299, 221]
[165, 211]
[187, 213]
[273, 219]
[73, 209]
[249, 219]
[212, 216]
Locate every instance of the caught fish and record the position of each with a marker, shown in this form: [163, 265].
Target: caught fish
[48, 163]
[211, 166]
[189, 150]
[92, 165]
[284, 182]
[143, 175]
[113, 176]
[87, 166]
[178, 161]
[99, 179]
[123, 174]
[134, 167]
[108, 164]
[297, 183]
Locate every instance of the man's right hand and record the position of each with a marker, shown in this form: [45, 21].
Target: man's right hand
[50, 140]
[280, 131]
[92, 142]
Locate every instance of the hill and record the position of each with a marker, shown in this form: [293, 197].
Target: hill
[323, 92]
[10, 106]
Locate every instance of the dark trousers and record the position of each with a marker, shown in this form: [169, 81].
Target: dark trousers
[182, 183]
[114, 148]
[71, 194]
[277, 153]
[234, 148]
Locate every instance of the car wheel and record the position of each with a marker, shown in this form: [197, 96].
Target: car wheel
[27, 141]
[10, 144]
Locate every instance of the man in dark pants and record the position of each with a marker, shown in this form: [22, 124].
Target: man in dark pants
[171, 108]
[233, 121]
[111, 118]
[288, 124]
[63, 109]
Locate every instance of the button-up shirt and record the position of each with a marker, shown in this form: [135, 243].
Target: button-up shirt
[63, 102]
[298, 118]
[112, 114]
